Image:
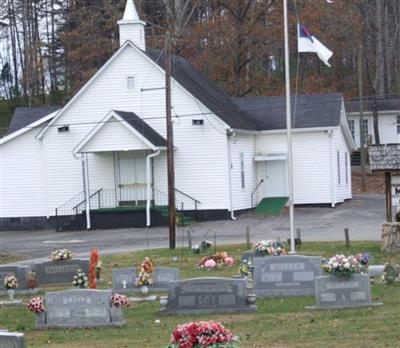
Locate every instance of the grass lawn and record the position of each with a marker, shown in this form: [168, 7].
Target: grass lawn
[277, 322]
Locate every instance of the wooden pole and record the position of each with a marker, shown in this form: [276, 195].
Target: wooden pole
[248, 237]
[347, 237]
[361, 126]
[388, 194]
[170, 146]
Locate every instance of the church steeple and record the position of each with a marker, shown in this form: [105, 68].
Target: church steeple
[131, 27]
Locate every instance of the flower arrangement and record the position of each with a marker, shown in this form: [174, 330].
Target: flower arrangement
[341, 265]
[119, 300]
[36, 305]
[33, 282]
[60, 255]
[364, 260]
[203, 334]
[219, 259]
[10, 282]
[269, 248]
[144, 277]
[391, 274]
[94, 258]
[80, 279]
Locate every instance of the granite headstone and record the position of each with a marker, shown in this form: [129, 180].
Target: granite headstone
[208, 295]
[60, 272]
[285, 276]
[336, 292]
[12, 340]
[79, 308]
[376, 270]
[124, 279]
[21, 273]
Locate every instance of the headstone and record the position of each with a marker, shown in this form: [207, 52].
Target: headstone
[79, 308]
[60, 272]
[22, 274]
[208, 295]
[124, 279]
[285, 276]
[376, 270]
[334, 292]
[12, 340]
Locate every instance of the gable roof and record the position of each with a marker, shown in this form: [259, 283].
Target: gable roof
[201, 88]
[384, 157]
[133, 123]
[143, 128]
[383, 104]
[24, 116]
[312, 110]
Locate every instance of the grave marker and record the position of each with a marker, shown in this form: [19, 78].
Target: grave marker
[208, 295]
[80, 308]
[60, 272]
[22, 274]
[12, 340]
[334, 292]
[284, 276]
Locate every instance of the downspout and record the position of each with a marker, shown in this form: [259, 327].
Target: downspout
[330, 134]
[148, 187]
[86, 186]
[229, 151]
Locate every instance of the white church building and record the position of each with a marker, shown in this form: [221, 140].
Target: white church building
[109, 143]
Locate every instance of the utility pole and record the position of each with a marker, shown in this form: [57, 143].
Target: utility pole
[289, 130]
[170, 145]
[362, 135]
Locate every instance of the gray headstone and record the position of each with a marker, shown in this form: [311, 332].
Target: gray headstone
[124, 279]
[12, 340]
[335, 292]
[376, 270]
[207, 295]
[22, 274]
[60, 272]
[79, 308]
[285, 276]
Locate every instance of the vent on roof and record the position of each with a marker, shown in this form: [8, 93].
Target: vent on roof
[197, 122]
[63, 129]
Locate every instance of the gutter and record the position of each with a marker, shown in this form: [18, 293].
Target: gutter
[148, 185]
[229, 134]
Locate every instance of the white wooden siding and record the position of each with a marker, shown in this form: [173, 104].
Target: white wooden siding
[22, 177]
[311, 164]
[114, 136]
[343, 189]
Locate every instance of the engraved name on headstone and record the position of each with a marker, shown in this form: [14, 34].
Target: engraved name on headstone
[336, 292]
[283, 276]
[207, 295]
[12, 340]
[79, 308]
[59, 272]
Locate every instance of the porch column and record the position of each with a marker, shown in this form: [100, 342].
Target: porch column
[148, 187]
[85, 174]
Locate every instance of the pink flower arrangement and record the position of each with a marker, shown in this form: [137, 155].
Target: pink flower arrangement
[210, 263]
[36, 305]
[119, 300]
[219, 259]
[202, 334]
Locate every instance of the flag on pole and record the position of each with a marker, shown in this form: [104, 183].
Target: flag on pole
[307, 42]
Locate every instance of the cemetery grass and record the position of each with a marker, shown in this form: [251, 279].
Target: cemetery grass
[277, 322]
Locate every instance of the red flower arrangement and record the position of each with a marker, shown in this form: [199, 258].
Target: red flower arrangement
[119, 300]
[36, 305]
[203, 334]
[94, 259]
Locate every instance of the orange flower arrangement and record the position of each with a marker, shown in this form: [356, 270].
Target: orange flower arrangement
[94, 258]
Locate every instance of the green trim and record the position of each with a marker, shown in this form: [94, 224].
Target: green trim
[271, 205]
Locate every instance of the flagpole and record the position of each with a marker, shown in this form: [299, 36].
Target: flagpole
[289, 130]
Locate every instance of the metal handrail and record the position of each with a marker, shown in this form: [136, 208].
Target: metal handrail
[70, 200]
[92, 195]
[254, 191]
[190, 197]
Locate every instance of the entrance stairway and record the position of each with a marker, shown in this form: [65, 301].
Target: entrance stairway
[271, 205]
